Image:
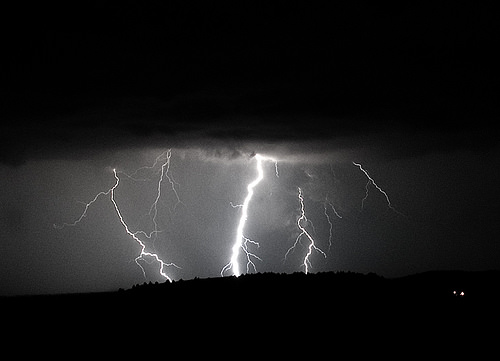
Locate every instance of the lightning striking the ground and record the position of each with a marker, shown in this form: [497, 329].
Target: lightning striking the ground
[243, 247]
[370, 180]
[133, 235]
[302, 222]
[153, 212]
[241, 242]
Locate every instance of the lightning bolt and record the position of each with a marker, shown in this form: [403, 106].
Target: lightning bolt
[327, 203]
[241, 242]
[133, 235]
[153, 211]
[242, 246]
[84, 214]
[371, 181]
[154, 207]
[312, 244]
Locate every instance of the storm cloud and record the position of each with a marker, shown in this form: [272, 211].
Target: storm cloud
[409, 91]
[400, 81]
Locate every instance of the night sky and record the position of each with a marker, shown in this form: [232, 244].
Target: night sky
[410, 91]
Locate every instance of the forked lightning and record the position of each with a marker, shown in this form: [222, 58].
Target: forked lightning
[302, 222]
[241, 242]
[153, 211]
[370, 180]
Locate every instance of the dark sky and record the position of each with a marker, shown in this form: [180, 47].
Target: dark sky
[410, 91]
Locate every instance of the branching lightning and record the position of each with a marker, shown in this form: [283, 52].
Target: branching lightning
[302, 222]
[165, 167]
[241, 242]
[84, 214]
[370, 180]
[133, 235]
[243, 246]
[153, 212]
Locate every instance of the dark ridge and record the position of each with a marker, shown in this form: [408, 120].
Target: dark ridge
[272, 314]
[325, 306]
[272, 288]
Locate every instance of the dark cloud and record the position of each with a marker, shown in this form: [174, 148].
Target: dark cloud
[126, 126]
[408, 90]
[404, 80]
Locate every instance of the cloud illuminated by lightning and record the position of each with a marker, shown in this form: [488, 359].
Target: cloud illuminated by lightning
[241, 242]
[243, 247]
[302, 222]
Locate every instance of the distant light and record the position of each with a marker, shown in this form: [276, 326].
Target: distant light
[462, 293]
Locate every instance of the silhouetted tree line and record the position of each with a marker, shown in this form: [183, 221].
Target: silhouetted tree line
[285, 301]
[349, 288]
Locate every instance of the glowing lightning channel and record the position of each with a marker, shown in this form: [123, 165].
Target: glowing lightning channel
[84, 214]
[135, 238]
[154, 207]
[303, 231]
[241, 242]
[153, 210]
[370, 180]
[328, 219]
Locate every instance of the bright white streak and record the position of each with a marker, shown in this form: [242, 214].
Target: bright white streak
[154, 207]
[312, 244]
[370, 180]
[84, 214]
[330, 234]
[135, 238]
[164, 171]
[240, 241]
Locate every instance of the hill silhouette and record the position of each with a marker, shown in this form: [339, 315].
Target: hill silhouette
[280, 313]
[278, 297]
[286, 314]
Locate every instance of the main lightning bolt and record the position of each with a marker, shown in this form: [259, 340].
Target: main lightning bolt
[312, 244]
[241, 242]
[370, 180]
